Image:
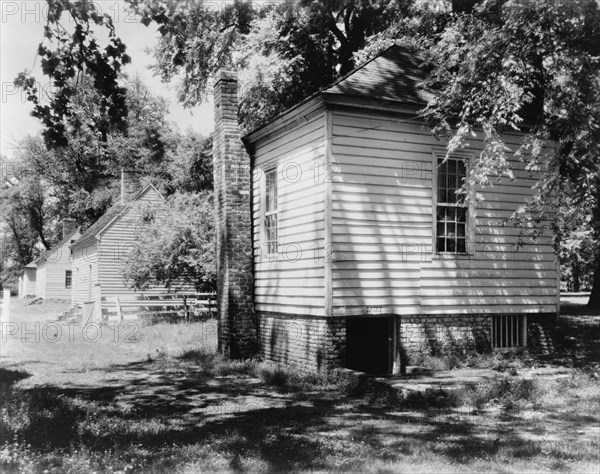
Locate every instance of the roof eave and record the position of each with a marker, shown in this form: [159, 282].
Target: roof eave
[289, 117]
[284, 119]
[84, 242]
[400, 107]
[97, 236]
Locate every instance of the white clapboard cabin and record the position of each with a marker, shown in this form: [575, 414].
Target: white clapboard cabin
[362, 255]
[50, 276]
[27, 280]
[100, 252]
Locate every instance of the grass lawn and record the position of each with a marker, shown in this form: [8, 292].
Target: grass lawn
[165, 402]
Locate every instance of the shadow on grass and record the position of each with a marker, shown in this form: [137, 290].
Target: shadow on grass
[163, 406]
[578, 337]
[9, 377]
[201, 406]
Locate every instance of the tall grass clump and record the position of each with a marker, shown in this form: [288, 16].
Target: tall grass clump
[518, 358]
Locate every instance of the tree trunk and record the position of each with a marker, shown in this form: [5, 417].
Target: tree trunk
[594, 301]
[576, 280]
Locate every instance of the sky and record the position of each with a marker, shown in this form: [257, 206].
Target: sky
[21, 30]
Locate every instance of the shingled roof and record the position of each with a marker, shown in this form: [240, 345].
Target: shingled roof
[44, 256]
[102, 222]
[394, 75]
[109, 215]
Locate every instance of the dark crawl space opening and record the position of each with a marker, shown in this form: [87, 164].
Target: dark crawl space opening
[368, 344]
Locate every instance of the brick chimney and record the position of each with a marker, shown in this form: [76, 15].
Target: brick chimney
[232, 181]
[69, 227]
[130, 185]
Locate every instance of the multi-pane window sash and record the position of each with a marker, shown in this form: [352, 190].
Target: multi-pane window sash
[68, 278]
[271, 211]
[451, 212]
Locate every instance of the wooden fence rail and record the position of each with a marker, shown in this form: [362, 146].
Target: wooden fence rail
[188, 303]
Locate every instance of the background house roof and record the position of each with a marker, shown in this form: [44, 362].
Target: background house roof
[44, 256]
[102, 222]
[112, 213]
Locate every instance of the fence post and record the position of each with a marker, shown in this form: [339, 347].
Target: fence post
[185, 309]
[6, 305]
[87, 316]
[209, 304]
[119, 312]
[98, 303]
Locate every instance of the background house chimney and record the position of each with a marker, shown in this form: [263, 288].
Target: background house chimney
[69, 227]
[232, 181]
[130, 185]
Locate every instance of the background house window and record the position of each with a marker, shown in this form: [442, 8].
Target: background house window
[451, 212]
[68, 278]
[271, 211]
[149, 216]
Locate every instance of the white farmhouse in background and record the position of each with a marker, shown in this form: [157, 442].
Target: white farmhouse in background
[50, 276]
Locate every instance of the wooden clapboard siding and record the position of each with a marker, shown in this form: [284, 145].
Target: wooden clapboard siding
[102, 256]
[117, 240]
[40, 289]
[85, 264]
[382, 229]
[56, 265]
[28, 282]
[293, 282]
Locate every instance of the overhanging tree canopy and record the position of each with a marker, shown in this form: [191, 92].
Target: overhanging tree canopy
[529, 66]
[502, 65]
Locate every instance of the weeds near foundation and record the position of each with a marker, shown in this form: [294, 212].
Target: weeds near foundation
[282, 377]
[501, 361]
[506, 392]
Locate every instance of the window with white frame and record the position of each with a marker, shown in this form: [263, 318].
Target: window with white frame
[452, 212]
[271, 211]
[68, 278]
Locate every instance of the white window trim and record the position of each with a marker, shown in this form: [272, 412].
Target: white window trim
[263, 210]
[471, 214]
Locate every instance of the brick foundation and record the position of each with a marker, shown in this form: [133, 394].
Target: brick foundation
[319, 344]
[306, 342]
[436, 335]
[541, 333]
[443, 334]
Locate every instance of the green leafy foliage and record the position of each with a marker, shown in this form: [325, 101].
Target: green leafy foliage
[533, 67]
[577, 245]
[28, 210]
[496, 67]
[84, 173]
[289, 50]
[66, 57]
[81, 179]
[177, 247]
[189, 165]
